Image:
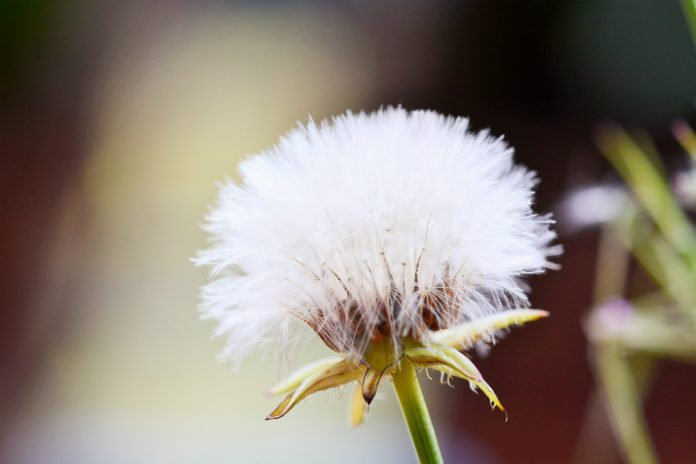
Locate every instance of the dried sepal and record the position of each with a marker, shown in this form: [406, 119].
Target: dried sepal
[453, 363]
[338, 374]
[370, 383]
[357, 408]
[296, 378]
[434, 355]
[379, 360]
[464, 336]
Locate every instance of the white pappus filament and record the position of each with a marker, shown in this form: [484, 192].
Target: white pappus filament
[365, 226]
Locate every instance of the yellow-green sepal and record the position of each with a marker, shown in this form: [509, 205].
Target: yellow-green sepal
[451, 362]
[464, 336]
[357, 408]
[296, 378]
[340, 373]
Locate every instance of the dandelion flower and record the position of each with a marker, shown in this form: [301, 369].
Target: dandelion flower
[393, 235]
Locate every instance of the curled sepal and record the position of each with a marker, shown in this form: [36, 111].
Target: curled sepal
[492, 397]
[371, 379]
[338, 374]
[297, 377]
[435, 355]
[357, 408]
[451, 362]
[370, 383]
[463, 336]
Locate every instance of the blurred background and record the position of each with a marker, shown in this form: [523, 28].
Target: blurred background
[117, 118]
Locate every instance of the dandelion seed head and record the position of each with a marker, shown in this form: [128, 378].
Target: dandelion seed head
[370, 226]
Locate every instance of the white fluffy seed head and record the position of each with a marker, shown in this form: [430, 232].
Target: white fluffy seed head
[388, 224]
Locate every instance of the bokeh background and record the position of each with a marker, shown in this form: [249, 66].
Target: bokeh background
[117, 118]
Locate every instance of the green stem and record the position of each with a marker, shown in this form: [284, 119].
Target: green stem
[624, 403]
[415, 412]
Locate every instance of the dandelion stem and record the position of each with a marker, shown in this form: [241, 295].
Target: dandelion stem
[415, 412]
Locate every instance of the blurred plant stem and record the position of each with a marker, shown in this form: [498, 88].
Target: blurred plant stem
[651, 190]
[621, 394]
[686, 137]
[629, 337]
[623, 399]
[689, 7]
[612, 266]
[415, 412]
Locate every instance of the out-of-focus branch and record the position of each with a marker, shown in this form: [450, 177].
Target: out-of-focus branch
[689, 7]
